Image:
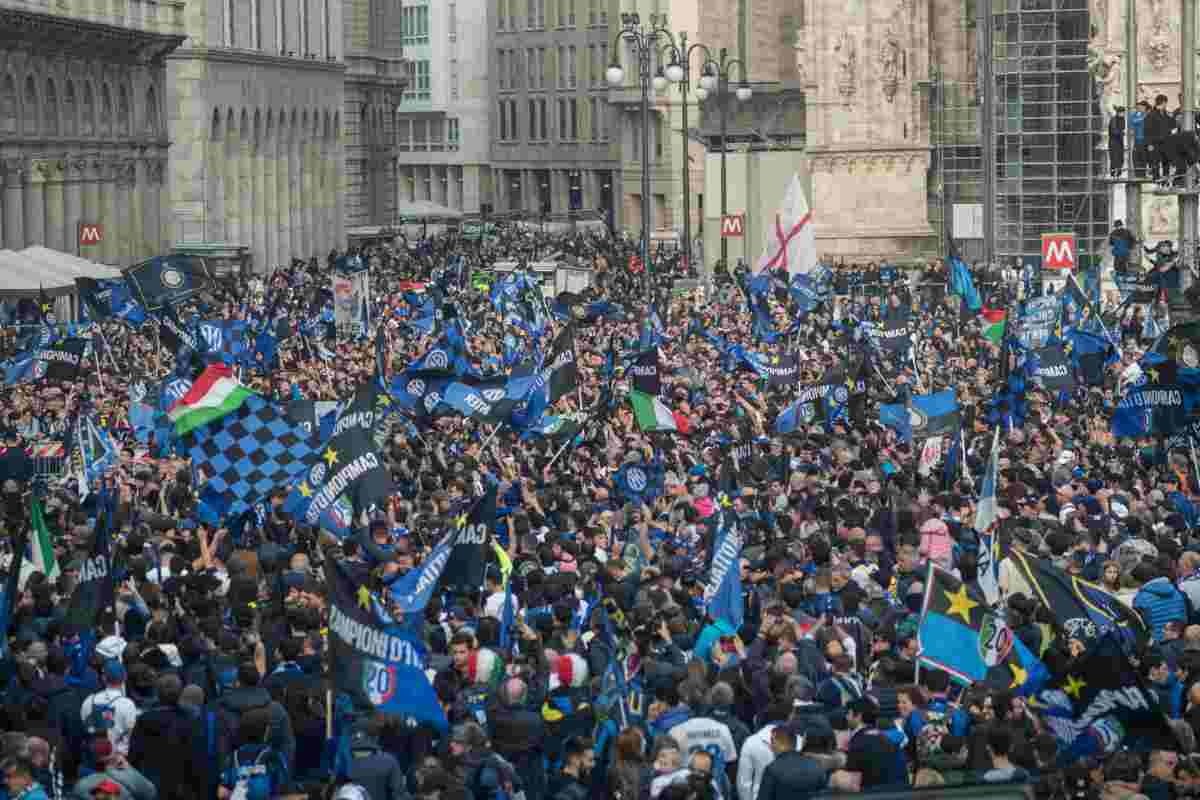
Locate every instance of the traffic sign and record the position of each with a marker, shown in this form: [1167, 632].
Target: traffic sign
[733, 225]
[90, 234]
[1058, 251]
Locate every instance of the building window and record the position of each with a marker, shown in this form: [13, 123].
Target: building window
[501, 70]
[562, 67]
[514, 69]
[544, 128]
[501, 14]
[414, 25]
[281, 28]
[504, 120]
[435, 135]
[572, 58]
[541, 14]
[603, 13]
[531, 15]
[570, 13]
[573, 105]
[418, 86]
[452, 21]
[591, 12]
[562, 120]
[404, 135]
[541, 70]
[420, 135]
[592, 52]
[454, 79]
[594, 112]
[603, 62]
[533, 126]
[514, 131]
[304, 31]
[230, 29]
[452, 135]
[531, 68]
[660, 135]
[636, 128]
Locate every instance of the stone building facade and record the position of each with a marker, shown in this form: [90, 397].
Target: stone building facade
[375, 78]
[83, 135]
[255, 99]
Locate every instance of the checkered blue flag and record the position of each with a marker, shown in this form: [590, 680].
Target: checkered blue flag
[249, 452]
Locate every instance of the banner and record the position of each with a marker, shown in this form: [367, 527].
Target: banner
[62, 360]
[350, 292]
[893, 336]
[379, 664]
[1037, 321]
[644, 372]
[783, 370]
[94, 592]
[1054, 368]
[167, 280]
[723, 590]
[1135, 289]
[464, 567]
[349, 476]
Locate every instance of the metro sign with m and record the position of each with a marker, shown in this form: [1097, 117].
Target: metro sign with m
[1058, 251]
[733, 226]
[90, 234]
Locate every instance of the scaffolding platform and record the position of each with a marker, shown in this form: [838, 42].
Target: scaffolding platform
[1176, 190]
[1109, 179]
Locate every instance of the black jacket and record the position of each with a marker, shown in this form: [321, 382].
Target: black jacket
[1158, 126]
[567, 788]
[792, 776]
[236, 702]
[169, 746]
[376, 770]
[519, 736]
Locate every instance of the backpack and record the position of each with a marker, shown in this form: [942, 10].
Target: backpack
[929, 738]
[103, 716]
[508, 788]
[254, 780]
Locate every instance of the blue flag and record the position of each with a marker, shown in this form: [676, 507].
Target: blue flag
[963, 285]
[167, 280]
[412, 591]
[723, 590]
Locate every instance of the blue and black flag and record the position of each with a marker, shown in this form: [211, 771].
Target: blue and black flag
[167, 280]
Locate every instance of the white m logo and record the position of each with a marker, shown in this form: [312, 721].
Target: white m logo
[1058, 252]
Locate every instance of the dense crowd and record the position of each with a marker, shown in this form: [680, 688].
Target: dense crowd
[209, 676]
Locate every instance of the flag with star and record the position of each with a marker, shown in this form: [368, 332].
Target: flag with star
[348, 476]
[1081, 610]
[1181, 344]
[1162, 403]
[960, 634]
[783, 369]
[1099, 702]
[464, 567]
[378, 661]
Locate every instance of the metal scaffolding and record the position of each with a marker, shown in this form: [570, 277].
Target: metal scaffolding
[1047, 127]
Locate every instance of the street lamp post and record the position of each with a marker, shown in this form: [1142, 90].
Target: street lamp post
[648, 41]
[714, 75]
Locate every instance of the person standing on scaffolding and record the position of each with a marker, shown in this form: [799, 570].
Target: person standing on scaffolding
[1116, 142]
[1141, 149]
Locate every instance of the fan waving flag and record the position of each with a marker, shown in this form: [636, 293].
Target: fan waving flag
[993, 324]
[349, 477]
[791, 242]
[41, 551]
[723, 590]
[651, 413]
[468, 556]
[215, 394]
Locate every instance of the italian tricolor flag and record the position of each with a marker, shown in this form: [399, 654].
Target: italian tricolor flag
[651, 413]
[41, 547]
[214, 394]
[993, 324]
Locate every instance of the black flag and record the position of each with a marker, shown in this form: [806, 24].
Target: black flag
[96, 297]
[63, 359]
[563, 373]
[174, 334]
[94, 592]
[1054, 368]
[349, 478]
[645, 372]
[464, 568]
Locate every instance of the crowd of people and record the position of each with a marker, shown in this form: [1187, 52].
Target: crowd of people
[610, 678]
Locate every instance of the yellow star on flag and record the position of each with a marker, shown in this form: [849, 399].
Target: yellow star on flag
[1175, 343]
[1019, 676]
[383, 400]
[304, 489]
[364, 597]
[774, 359]
[1074, 687]
[460, 521]
[330, 456]
[960, 604]
[1153, 374]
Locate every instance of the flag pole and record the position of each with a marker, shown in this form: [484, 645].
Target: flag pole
[566, 444]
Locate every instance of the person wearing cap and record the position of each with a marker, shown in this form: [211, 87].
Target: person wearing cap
[791, 774]
[113, 769]
[110, 711]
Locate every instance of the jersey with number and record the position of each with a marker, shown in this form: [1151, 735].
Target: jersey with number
[709, 735]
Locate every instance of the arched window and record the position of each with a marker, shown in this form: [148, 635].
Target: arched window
[8, 105]
[70, 110]
[50, 110]
[151, 112]
[87, 117]
[124, 115]
[216, 125]
[105, 126]
[31, 106]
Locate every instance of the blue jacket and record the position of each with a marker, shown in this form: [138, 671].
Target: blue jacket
[1160, 602]
[1137, 121]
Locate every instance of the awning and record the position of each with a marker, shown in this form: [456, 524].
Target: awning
[25, 272]
[426, 209]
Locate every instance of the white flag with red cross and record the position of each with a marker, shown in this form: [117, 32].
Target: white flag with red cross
[791, 243]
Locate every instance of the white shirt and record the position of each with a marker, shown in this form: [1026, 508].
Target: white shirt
[756, 756]
[125, 715]
[707, 734]
[494, 605]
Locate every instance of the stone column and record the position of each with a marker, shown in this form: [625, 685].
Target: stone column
[324, 197]
[295, 193]
[245, 190]
[138, 247]
[107, 176]
[270, 195]
[214, 211]
[588, 183]
[76, 174]
[283, 185]
[233, 186]
[123, 179]
[35, 206]
[89, 176]
[156, 239]
[339, 193]
[3, 182]
[258, 207]
[53, 174]
[14, 223]
[306, 193]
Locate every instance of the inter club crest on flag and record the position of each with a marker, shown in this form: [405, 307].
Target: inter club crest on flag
[379, 682]
[636, 478]
[437, 359]
[171, 278]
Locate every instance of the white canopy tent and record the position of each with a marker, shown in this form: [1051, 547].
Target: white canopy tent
[25, 273]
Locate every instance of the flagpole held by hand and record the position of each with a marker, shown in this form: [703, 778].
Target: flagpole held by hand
[566, 444]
